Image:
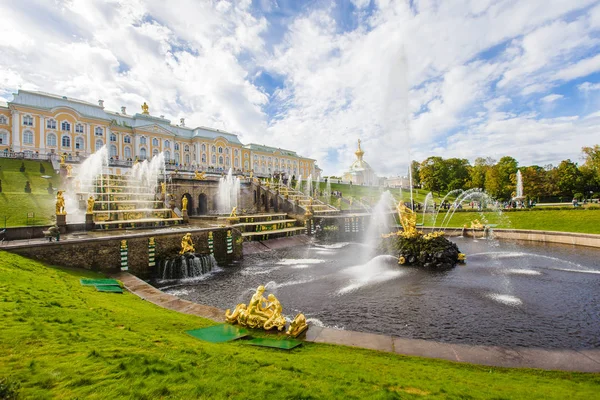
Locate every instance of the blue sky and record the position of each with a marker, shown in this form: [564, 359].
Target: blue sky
[412, 79]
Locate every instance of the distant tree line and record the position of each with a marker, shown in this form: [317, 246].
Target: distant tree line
[498, 178]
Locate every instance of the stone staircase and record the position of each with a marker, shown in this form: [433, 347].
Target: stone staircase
[304, 201]
[268, 226]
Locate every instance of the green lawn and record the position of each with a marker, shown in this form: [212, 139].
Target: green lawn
[62, 340]
[577, 220]
[15, 204]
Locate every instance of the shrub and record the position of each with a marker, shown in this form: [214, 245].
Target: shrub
[27, 187]
[578, 196]
[22, 169]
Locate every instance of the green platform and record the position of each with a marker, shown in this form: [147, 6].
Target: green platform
[109, 288]
[94, 282]
[284, 344]
[219, 333]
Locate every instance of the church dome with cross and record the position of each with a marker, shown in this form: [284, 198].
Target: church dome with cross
[360, 172]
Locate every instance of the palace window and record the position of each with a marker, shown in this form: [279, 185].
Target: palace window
[186, 148]
[27, 137]
[203, 158]
[255, 157]
[51, 124]
[154, 152]
[113, 137]
[246, 155]
[3, 120]
[154, 142]
[213, 159]
[167, 144]
[235, 152]
[79, 144]
[187, 158]
[127, 152]
[213, 149]
[65, 141]
[113, 150]
[220, 150]
[65, 126]
[51, 139]
[221, 160]
[28, 120]
[236, 163]
[227, 150]
[99, 144]
[227, 162]
[127, 139]
[143, 141]
[99, 131]
[177, 157]
[3, 138]
[143, 153]
[246, 165]
[177, 146]
[167, 155]
[78, 128]
[203, 147]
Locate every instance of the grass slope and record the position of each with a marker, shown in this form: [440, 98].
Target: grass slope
[15, 203]
[577, 220]
[62, 340]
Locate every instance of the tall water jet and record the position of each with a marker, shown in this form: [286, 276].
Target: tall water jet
[84, 182]
[328, 192]
[382, 219]
[299, 184]
[519, 192]
[308, 187]
[428, 204]
[318, 186]
[229, 191]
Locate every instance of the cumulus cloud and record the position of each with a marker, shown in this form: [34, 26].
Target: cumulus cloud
[460, 78]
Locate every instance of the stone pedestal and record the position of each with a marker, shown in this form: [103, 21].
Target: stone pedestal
[89, 221]
[61, 222]
[185, 216]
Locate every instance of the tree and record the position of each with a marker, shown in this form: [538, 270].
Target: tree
[569, 178]
[433, 174]
[478, 171]
[506, 174]
[457, 173]
[591, 169]
[415, 166]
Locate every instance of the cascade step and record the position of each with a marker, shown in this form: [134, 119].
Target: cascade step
[274, 233]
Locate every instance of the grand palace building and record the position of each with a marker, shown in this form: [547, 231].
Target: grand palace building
[38, 124]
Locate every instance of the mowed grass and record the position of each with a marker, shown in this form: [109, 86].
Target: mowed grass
[62, 340]
[577, 220]
[15, 204]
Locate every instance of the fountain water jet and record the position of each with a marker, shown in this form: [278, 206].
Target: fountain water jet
[229, 191]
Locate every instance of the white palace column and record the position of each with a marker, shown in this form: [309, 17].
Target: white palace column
[42, 135]
[88, 143]
[16, 124]
[136, 146]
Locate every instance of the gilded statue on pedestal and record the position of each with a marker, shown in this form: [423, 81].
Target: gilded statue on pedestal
[297, 326]
[259, 313]
[69, 171]
[199, 175]
[90, 205]
[63, 158]
[187, 245]
[145, 108]
[408, 219]
[184, 203]
[163, 187]
[60, 203]
[233, 213]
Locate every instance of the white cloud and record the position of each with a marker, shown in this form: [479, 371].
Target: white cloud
[551, 98]
[405, 78]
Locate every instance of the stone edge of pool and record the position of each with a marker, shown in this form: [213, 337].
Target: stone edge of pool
[563, 360]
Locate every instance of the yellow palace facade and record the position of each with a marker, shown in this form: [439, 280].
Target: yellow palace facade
[37, 124]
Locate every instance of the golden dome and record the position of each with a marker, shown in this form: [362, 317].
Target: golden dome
[359, 153]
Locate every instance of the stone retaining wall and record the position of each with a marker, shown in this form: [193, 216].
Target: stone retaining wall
[103, 254]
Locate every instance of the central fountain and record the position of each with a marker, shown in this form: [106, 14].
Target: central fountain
[229, 192]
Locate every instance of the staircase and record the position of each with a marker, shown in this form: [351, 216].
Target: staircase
[305, 202]
[268, 226]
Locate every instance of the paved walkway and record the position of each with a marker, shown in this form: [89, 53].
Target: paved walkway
[566, 360]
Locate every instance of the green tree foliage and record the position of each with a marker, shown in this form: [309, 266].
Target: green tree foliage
[434, 174]
[478, 171]
[457, 173]
[415, 166]
[569, 178]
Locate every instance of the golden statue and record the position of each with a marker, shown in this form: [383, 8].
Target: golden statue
[60, 203]
[63, 158]
[184, 203]
[199, 175]
[476, 224]
[136, 162]
[145, 108]
[69, 171]
[251, 174]
[90, 205]
[233, 213]
[123, 244]
[187, 245]
[259, 313]
[163, 187]
[297, 326]
[408, 219]
[151, 242]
